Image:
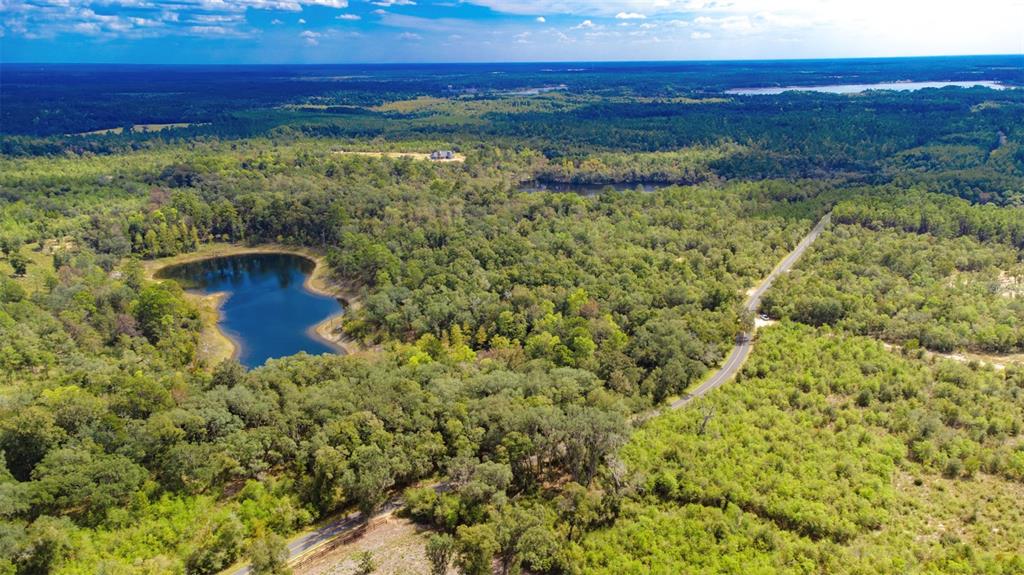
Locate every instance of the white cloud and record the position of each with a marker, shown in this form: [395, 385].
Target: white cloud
[410, 36]
[741, 24]
[145, 22]
[746, 28]
[135, 19]
[312, 38]
[217, 18]
[586, 7]
[219, 31]
[348, 17]
[302, 20]
[428, 24]
[90, 28]
[700, 35]
[822, 27]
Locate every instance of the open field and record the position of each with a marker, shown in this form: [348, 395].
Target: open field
[470, 106]
[138, 129]
[40, 267]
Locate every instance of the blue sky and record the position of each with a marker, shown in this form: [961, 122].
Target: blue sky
[338, 31]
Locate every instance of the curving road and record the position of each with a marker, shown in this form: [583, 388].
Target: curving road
[317, 538]
[744, 341]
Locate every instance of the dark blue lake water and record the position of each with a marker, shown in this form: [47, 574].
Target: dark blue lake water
[905, 86]
[268, 312]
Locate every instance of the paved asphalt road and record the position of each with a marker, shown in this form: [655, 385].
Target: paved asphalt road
[744, 341]
[320, 536]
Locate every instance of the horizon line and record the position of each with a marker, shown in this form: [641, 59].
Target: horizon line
[513, 62]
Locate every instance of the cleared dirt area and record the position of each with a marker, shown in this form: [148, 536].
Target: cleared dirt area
[397, 545]
[414, 155]
[1011, 285]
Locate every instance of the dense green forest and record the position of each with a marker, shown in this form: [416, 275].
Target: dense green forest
[830, 454]
[916, 290]
[512, 343]
[518, 337]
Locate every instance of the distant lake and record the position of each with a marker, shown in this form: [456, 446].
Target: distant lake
[857, 88]
[268, 312]
[589, 189]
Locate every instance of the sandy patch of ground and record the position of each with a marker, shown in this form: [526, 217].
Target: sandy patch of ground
[759, 323]
[459, 158]
[214, 345]
[397, 545]
[1010, 286]
[996, 361]
[991, 360]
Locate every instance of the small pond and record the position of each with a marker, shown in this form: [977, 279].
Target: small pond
[268, 311]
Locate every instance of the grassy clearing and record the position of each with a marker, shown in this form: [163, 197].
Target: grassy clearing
[480, 106]
[138, 129]
[40, 268]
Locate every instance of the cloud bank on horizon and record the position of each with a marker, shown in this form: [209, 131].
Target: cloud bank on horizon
[326, 31]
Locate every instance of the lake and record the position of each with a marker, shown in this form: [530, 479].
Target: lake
[268, 311]
[858, 88]
[588, 189]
